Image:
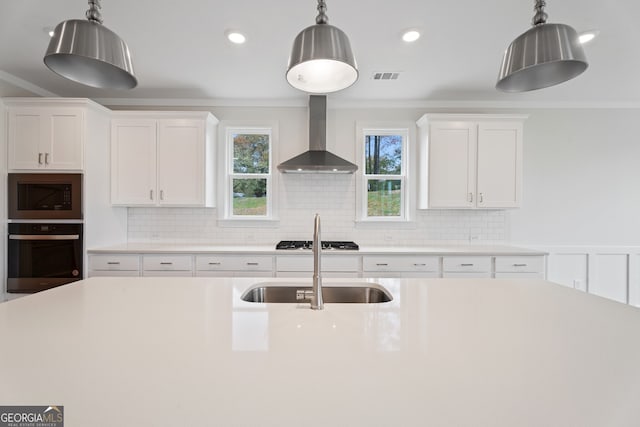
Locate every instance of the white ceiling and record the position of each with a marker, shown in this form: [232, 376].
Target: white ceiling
[180, 52]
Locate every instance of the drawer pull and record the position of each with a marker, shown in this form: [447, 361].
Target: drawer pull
[252, 263]
[419, 264]
[113, 262]
[166, 263]
[519, 265]
[466, 265]
[382, 264]
[215, 263]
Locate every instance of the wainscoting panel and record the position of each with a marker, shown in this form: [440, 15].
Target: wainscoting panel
[611, 272]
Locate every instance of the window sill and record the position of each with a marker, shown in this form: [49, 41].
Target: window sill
[249, 223]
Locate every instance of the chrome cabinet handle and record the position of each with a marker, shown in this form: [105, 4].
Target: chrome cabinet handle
[481, 198]
[150, 194]
[46, 158]
[382, 264]
[113, 263]
[214, 263]
[252, 263]
[419, 265]
[161, 194]
[466, 265]
[166, 263]
[39, 158]
[519, 265]
[470, 197]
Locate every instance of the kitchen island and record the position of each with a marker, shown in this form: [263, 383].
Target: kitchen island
[171, 351]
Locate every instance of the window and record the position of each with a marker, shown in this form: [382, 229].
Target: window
[384, 184]
[249, 184]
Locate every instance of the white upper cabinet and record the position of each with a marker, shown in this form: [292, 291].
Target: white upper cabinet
[470, 161]
[133, 162]
[499, 175]
[162, 159]
[181, 165]
[47, 137]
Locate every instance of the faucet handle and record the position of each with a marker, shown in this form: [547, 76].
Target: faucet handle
[303, 294]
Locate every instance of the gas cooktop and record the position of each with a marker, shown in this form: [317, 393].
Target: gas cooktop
[308, 244]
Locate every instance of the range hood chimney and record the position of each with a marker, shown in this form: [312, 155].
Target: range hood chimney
[317, 159]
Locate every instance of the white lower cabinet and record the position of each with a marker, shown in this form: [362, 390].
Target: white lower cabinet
[301, 265]
[466, 266]
[167, 265]
[120, 265]
[519, 267]
[401, 266]
[331, 266]
[234, 265]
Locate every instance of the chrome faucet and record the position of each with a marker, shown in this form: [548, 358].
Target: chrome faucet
[315, 294]
[316, 290]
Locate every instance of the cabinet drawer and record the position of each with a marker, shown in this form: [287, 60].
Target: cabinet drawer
[234, 263]
[304, 263]
[523, 264]
[466, 263]
[167, 263]
[400, 263]
[114, 262]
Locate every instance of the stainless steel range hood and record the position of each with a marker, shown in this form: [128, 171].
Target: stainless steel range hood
[317, 159]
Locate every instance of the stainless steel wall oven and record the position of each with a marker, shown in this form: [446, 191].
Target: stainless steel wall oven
[43, 256]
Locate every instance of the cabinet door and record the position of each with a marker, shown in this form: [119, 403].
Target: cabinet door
[499, 165]
[181, 162]
[452, 164]
[46, 138]
[25, 134]
[63, 148]
[133, 162]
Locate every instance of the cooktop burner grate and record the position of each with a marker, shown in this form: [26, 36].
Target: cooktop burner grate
[326, 245]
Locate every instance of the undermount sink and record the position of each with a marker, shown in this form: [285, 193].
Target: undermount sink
[288, 292]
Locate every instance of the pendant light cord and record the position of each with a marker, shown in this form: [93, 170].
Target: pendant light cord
[322, 18]
[540, 17]
[93, 14]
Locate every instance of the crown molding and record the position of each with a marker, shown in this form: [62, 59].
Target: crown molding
[346, 103]
[23, 84]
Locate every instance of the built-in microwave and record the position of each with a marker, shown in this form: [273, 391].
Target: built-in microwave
[44, 196]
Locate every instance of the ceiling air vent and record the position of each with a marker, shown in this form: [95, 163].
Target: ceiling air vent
[386, 75]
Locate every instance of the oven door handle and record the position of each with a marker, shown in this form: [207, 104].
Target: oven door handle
[44, 236]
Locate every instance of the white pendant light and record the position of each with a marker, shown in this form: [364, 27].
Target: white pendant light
[543, 56]
[321, 59]
[87, 52]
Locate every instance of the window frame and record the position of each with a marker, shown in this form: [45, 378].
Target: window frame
[406, 131]
[230, 175]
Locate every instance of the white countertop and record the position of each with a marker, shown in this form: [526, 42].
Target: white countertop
[445, 352]
[270, 249]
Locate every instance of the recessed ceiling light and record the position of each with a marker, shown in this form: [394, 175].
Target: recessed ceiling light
[587, 36]
[236, 37]
[410, 35]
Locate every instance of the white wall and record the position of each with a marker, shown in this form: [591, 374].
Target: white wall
[581, 177]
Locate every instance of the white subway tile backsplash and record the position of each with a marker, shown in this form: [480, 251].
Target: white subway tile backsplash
[302, 196]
